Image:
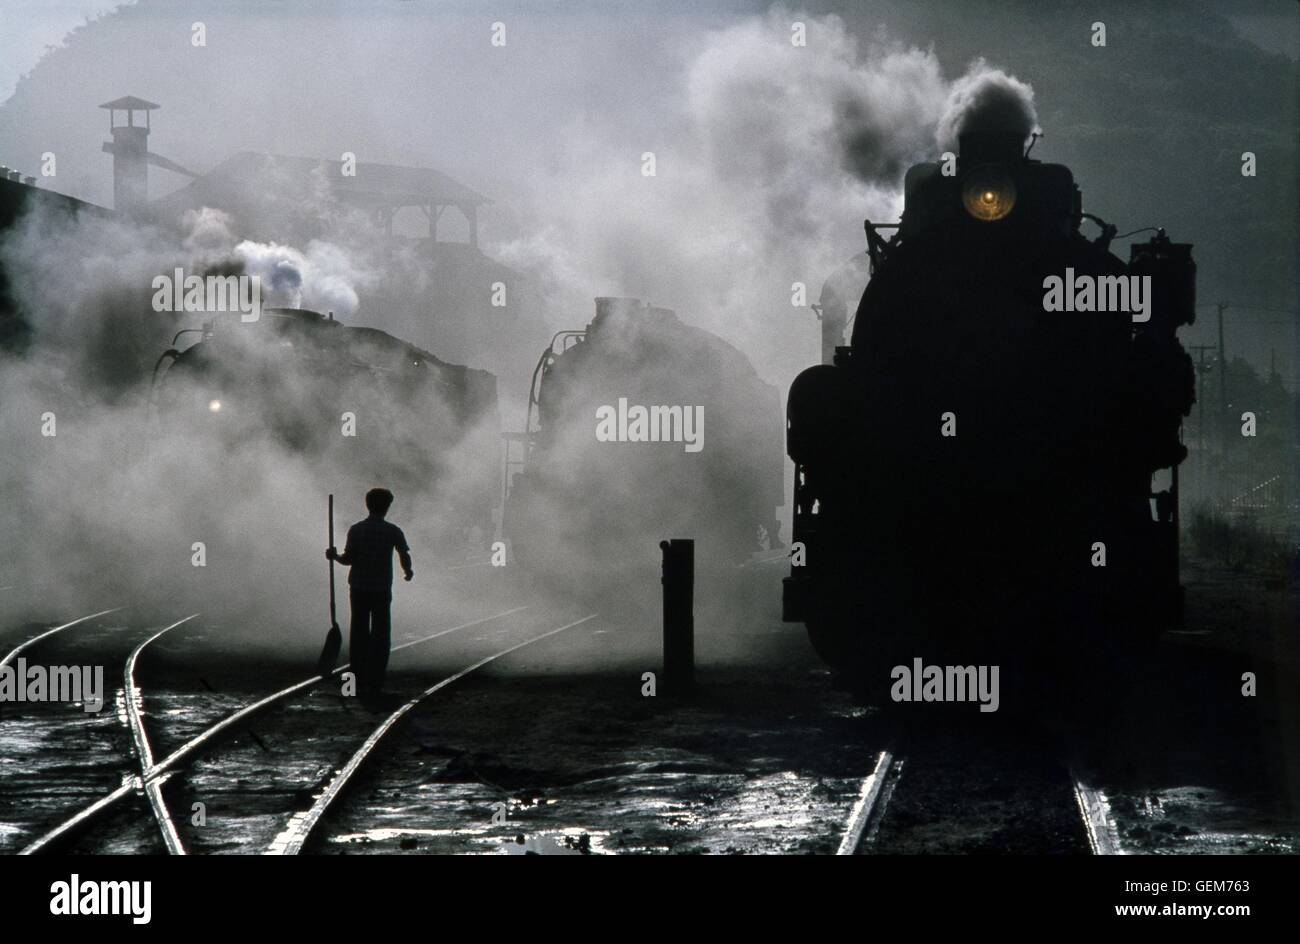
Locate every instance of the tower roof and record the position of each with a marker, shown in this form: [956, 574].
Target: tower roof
[130, 102]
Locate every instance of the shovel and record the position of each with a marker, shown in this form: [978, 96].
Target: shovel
[329, 655]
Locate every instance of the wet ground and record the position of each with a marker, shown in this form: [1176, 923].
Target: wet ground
[558, 748]
[755, 762]
[1190, 762]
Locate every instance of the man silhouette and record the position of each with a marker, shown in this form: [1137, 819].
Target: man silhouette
[369, 552]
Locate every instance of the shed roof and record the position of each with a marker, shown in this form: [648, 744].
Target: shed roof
[372, 183]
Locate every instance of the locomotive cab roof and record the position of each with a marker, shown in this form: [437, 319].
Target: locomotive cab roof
[316, 328]
[310, 338]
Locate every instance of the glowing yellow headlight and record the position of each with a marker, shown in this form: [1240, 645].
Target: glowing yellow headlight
[988, 192]
[214, 406]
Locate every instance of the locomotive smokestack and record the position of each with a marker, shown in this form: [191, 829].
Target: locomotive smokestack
[989, 117]
[609, 306]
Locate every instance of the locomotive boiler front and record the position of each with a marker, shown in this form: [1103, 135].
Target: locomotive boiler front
[352, 402]
[964, 465]
[642, 427]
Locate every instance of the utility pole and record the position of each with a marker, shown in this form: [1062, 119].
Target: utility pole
[1201, 368]
[1223, 378]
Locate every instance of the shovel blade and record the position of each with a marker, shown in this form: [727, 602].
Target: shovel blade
[329, 655]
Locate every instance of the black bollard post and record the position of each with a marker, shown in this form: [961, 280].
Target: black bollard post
[679, 615]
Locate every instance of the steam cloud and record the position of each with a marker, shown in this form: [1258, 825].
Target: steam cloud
[322, 279]
[987, 100]
[110, 506]
[776, 155]
[767, 159]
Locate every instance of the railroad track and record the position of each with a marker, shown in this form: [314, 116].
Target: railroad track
[1094, 807]
[292, 839]
[296, 828]
[878, 787]
[32, 771]
[152, 772]
[24, 646]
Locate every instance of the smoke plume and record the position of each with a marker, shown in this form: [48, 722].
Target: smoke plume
[727, 190]
[113, 494]
[987, 100]
[775, 154]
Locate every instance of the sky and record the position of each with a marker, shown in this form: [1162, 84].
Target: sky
[552, 126]
[33, 26]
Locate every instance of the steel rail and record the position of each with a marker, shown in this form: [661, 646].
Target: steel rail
[243, 714]
[135, 783]
[292, 838]
[868, 805]
[134, 698]
[1094, 807]
[14, 653]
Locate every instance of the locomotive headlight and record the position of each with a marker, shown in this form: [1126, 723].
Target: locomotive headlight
[214, 406]
[988, 193]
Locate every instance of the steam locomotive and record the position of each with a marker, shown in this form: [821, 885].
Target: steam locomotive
[974, 471]
[591, 497]
[365, 405]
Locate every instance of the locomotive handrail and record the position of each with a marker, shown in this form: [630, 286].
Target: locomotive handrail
[534, 386]
[1108, 230]
[152, 402]
[533, 391]
[877, 248]
[534, 401]
[174, 354]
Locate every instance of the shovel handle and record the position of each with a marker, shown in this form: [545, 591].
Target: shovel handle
[333, 619]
